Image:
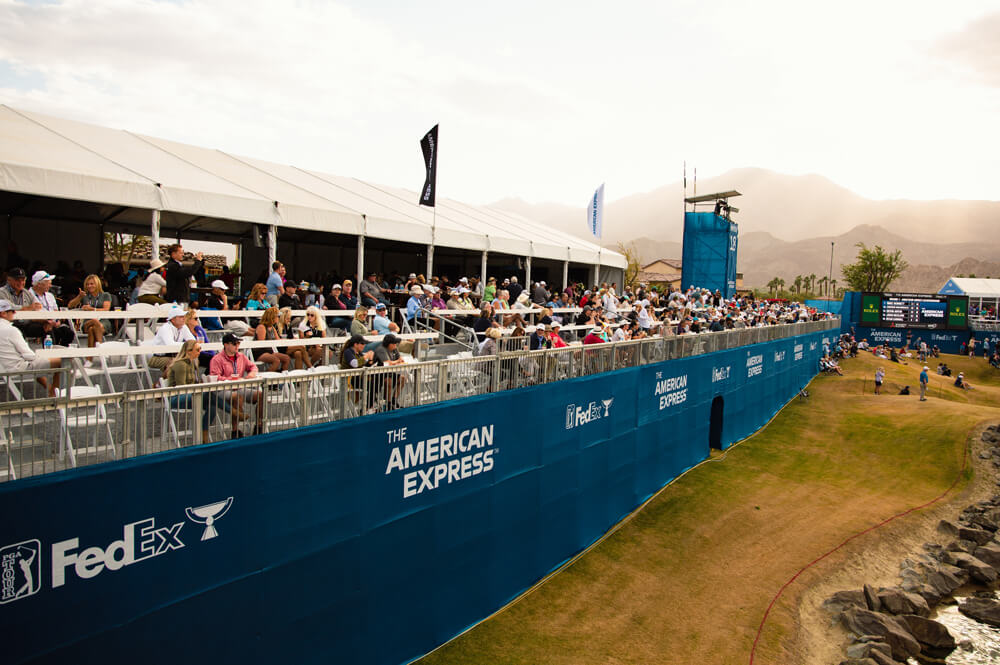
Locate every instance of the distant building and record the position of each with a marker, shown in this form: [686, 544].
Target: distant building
[662, 273]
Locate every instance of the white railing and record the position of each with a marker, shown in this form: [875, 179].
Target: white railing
[43, 435]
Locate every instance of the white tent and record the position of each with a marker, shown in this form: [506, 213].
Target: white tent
[138, 178]
[984, 296]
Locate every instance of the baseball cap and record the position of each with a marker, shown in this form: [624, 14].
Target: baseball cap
[381, 305]
[230, 338]
[41, 276]
[355, 339]
[555, 324]
[337, 287]
[219, 284]
[175, 312]
[390, 339]
[412, 275]
[17, 273]
[926, 367]
[5, 306]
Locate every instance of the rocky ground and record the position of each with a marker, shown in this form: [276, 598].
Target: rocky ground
[890, 624]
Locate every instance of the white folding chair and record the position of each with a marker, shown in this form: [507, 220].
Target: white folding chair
[88, 418]
[119, 365]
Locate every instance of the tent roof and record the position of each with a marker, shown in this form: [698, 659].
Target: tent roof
[974, 287]
[57, 158]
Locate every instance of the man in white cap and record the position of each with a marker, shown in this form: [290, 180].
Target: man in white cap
[924, 378]
[17, 356]
[169, 334]
[154, 286]
[61, 333]
[216, 300]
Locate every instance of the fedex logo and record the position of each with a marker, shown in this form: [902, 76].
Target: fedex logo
[581, 415]
[140, 541]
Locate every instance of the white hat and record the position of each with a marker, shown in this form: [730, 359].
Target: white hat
[542, 283]
[41, 276]
[175, 312]
[523, 297]
[336, 286]
[5, 306]
[555, 324]
[464, 280]
[412, 275]
[157, 263]
[416, 290]
[219, 284]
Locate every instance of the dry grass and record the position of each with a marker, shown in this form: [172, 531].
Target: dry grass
[688, 579]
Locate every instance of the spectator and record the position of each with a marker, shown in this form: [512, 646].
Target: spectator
[173, 331]
[178, 277]
[231, 365]
[924, 379]
[275, 283]
[184, 371]
[267, 330]
[488, 347]
[350, 302]
[353, 355]
[298, 354]
[594, 336]
[61, 333]
[257, 300]
[217, 300]
[514, 289]
[191, 321]
[415, 303]
[154, 286]
[358, 325]
[313, 325]
[335, 303]
[540, 295]
[381, 324]
[17, 356]
[388, 354]
[557, 341]
[490, 290]
[18, 296]
[93, 298]
[370, 292]
[879, 378]
[960, 382]
[289, 298]
[538, 339]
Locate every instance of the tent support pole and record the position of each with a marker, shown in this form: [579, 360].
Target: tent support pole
[527, 273]
[430, 263]
[155, 235]
[361, 258]
[482, 269]
[272, 245]
[565, 279]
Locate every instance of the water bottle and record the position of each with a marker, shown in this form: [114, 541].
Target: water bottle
[48, 342]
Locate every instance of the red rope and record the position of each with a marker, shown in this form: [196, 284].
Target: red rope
[760, 628]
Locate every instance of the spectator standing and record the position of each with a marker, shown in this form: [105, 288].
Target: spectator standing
[514, 289]
[179, 276]
[924, 378]
[275, 283]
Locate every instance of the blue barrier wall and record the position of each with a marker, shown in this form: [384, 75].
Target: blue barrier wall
[832, 306]
[369, 540]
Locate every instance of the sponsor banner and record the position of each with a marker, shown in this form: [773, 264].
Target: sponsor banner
[947, 341]
[301, 546]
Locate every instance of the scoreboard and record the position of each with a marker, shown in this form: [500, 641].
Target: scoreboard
[914, 310]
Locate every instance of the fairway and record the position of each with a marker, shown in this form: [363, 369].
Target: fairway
[689, 577]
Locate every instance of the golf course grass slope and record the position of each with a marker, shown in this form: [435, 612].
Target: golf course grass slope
[688, 578]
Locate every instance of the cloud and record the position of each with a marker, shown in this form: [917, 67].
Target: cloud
[976, 47]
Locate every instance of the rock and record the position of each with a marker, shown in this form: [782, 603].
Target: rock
[966, 645]
[871, 598]
[984, 455]
[961, 545]
[841, 600]
[989, 554]
[925, 591]
[981, 609]
[978, 571]
[897, 601]
[882, 659]
[933, 548]
[978, 536]
[858, 661]
[960, 573]
[943, 582]
[989, 520]
[865, 622]
[865, 648]
[949, 528]
[934, 637]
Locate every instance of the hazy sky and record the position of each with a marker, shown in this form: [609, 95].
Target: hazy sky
[538, 100]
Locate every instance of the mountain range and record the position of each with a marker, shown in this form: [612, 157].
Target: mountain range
[788, 222]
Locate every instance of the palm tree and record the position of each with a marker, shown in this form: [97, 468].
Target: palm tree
[798, 283]
[833, 287]
[823, 281]
[812, 283]
[781, 284]
[772, 286]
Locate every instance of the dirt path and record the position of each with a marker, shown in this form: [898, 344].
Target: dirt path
[688, 579]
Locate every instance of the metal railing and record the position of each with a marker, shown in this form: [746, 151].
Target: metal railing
[43, 435]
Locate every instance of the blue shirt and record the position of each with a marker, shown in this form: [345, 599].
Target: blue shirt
[275, 287]
[380, 324]
[412, 305]
[923, 377]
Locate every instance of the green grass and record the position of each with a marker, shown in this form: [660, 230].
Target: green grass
[688, 578]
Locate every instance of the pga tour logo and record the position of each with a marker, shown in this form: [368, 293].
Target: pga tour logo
[581, 415]
[21, 563]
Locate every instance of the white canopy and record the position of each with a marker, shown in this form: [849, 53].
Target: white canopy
[64, 159]
[974, 287]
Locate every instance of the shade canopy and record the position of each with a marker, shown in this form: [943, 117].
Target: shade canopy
[55, 158]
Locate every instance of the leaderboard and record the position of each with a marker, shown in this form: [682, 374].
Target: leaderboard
[914, 310]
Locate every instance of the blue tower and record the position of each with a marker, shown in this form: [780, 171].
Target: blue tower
[710, 243]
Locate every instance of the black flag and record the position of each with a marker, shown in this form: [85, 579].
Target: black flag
[429, 144]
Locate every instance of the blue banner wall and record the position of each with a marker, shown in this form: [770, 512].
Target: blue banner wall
[949, 341]
[370, 540]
